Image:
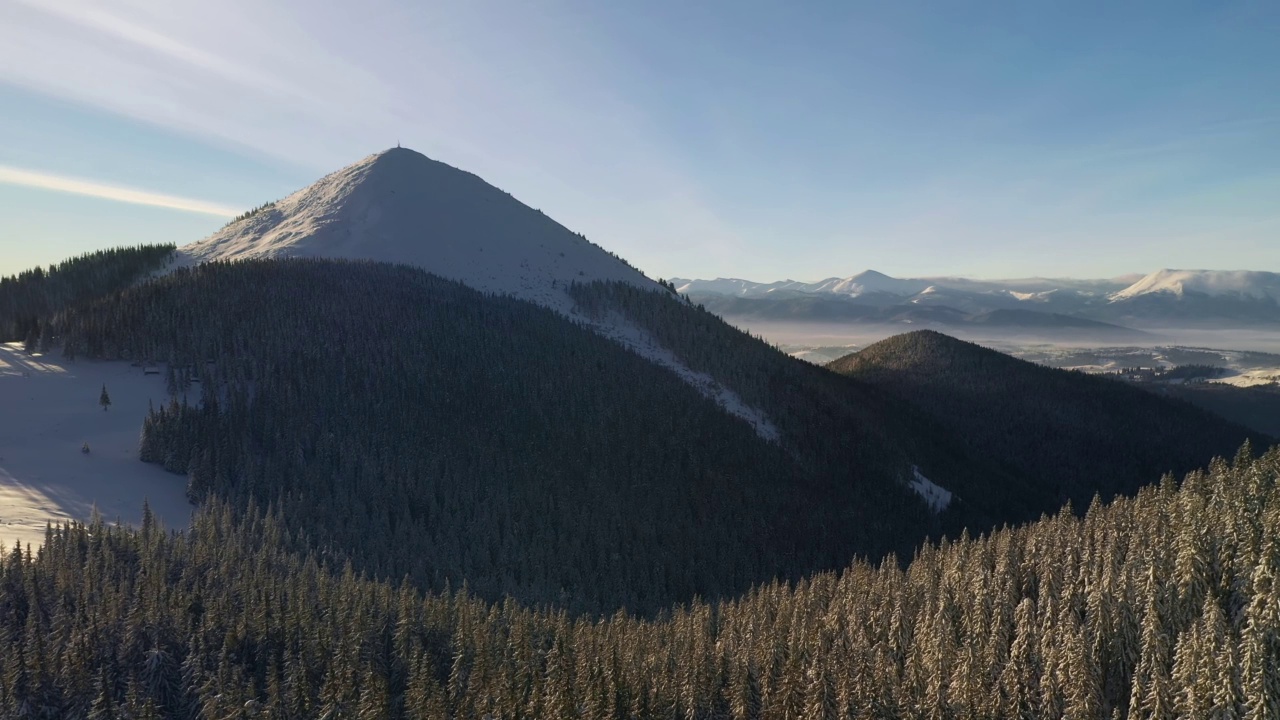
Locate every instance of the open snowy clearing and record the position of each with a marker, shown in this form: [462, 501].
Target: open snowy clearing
[1252, 377]
[48, 410]
[936, 496]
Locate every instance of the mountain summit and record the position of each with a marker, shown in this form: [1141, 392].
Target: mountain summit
[400, 206]
[1240, 284]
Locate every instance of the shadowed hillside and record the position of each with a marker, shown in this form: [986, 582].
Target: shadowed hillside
[424, 429]
[1060, 435]
[36, 294]
[1255, 407]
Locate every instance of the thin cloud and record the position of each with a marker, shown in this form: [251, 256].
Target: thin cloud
[117, 193]
[94, 18]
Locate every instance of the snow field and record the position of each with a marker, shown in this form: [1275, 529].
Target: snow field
[48, 410]
[936, 496]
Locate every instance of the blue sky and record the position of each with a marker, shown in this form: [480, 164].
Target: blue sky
[747, 139]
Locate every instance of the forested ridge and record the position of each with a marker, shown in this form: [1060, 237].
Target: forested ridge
[1257, 407]
[825, 419]
[1059, 435]
[1165, 605]
[452, 435]
[426, 430]
[39, 293]
[421, 501]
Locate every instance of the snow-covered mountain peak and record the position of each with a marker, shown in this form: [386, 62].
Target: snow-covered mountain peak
[871, 276]
[403, 207]
[870, 282]
[400, 206]
[1216, 283]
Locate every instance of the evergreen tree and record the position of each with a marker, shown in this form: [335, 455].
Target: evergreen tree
[1260, 638]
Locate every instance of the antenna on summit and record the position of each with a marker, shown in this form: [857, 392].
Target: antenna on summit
[397, 144]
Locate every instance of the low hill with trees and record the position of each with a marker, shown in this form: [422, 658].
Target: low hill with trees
[1059, 435]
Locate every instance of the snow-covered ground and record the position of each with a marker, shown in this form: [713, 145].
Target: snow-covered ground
[48, 410]
[936, 496]
[1235, 367]
[633, 337]
[1252, 377]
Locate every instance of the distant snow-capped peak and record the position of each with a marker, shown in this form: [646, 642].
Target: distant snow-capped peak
[1256, 285]
[864, 283]
[870, 281]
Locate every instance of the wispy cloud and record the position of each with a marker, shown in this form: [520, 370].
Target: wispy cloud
[515, 95]
[117, 193]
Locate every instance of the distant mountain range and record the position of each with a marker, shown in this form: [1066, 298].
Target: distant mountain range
[1110, 307]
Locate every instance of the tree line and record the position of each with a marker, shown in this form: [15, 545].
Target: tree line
[30, 299]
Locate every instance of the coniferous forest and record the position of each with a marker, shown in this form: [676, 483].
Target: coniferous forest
[1011, 438]
[37, 294]
[1165, 605]
[453, 436]
[1038, 420]
[421, 501]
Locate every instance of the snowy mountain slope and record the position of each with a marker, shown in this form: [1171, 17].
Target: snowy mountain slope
[870, 282]
[400, 206]
[1241, 284]
[636, 339]
[734, 286]
[50, 410]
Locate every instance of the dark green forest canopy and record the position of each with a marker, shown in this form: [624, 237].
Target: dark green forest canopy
[418, 500]
[38, 294]
[451, 435]
[1058, 435]
[455, 436]
[1257, 407]
[1163, 605]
